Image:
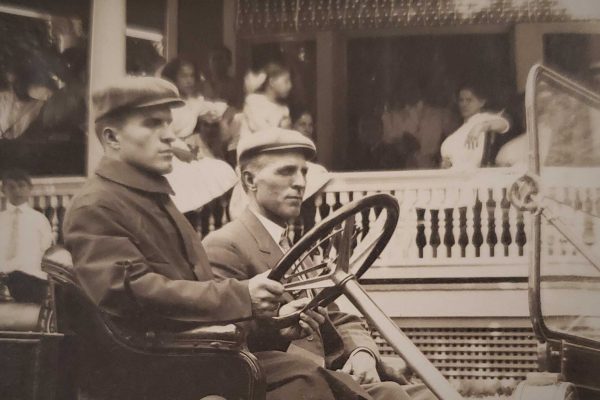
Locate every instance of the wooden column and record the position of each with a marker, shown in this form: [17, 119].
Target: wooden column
[331, 100]
[107, 60]
[229, 33]
[171, 28]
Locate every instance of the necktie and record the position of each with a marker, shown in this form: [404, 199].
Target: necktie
[284, 241]
[13, 240]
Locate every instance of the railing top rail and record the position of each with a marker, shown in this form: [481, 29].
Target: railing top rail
[392, 180]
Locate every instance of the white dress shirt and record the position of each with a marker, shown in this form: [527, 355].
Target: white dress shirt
[275, 231]
[33, 238]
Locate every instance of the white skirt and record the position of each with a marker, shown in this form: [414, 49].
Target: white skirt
[199, 182]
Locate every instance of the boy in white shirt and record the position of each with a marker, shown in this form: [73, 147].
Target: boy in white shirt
[25, 234]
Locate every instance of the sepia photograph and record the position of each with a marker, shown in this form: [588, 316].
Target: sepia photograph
[299, 199]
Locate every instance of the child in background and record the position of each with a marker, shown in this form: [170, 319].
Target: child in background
[263, 106]
[25, 234]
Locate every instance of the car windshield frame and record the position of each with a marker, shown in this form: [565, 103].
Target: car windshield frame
[537, 74]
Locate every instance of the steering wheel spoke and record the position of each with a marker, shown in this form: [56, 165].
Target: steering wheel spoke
[340, 245]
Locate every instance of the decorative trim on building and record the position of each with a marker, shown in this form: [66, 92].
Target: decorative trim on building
[281, 16]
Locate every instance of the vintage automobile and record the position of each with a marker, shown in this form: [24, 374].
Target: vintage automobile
[75, 346]
[563, 124]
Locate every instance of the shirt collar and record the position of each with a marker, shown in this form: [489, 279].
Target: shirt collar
[127, 175]
[12, 208]
[275, 231]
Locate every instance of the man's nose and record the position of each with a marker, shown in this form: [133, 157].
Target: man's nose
[168, 135]
[299, 181]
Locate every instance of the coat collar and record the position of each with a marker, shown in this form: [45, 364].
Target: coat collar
[127, 175]
[263, 239]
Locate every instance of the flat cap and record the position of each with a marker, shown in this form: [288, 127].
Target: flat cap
[274, 139]
[132, 93]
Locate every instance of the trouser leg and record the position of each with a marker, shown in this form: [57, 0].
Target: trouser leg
[292, 377]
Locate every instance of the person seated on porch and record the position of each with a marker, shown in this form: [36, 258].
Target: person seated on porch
[20, 104]
[464, 148]
[25, 234]
[136, 256]
[303, 122]
[273, 163]
[198, 175]
[266, 91]
[413, 130]
[196, 122]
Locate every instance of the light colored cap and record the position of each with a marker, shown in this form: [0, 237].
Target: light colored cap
[274, 139]
[130, 93]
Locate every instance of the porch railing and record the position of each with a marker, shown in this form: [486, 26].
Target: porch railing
[451, 224]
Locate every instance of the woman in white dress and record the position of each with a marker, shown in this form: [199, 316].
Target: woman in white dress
[264, 107]
[464, 148]
[197, 177]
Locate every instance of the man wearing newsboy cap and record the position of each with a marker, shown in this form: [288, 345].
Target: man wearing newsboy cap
[134, 254]
[273, 166]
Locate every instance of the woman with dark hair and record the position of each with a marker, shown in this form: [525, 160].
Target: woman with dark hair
[464, 149]
[198, 177]
[186, 120]
[303, 122]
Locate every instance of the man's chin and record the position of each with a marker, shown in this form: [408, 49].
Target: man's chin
[292, 212]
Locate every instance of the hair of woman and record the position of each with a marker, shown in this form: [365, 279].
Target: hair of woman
[171, 69]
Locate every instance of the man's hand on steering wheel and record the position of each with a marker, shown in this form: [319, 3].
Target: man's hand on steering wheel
[309, 321]
[265, 295]
[362, 366]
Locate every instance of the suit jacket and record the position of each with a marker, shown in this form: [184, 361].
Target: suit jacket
[243, 248]
[138, 258]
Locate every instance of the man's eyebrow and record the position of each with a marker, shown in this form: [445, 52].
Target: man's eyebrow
[286, 167]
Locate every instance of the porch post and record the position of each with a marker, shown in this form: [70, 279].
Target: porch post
[107, 60]
[331, 100]
[171, 28]
[229, 30]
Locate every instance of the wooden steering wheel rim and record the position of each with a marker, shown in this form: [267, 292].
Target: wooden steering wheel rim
[328, 295]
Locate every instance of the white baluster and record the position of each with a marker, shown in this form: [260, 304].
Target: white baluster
[410, 227]
[470, 250]
[54, 221]
[513, 247]
[211, 221]
[318, 202]
[483, 197]
[223, 205]
[455, 205]
[344, 198]
[443, 198]
[498, 191]
[394, 250]
[425, 196]
[330, 200]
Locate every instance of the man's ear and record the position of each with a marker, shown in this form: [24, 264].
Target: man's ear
[110, 138]
[248, 181]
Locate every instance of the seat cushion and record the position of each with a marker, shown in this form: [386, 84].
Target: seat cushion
[22, 317]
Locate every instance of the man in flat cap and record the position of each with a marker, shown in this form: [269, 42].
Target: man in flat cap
[273, 172]
[134, 254]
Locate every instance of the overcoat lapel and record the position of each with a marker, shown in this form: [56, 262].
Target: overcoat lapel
[270, 253]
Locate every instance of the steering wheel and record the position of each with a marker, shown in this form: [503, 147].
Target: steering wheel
[340, 247]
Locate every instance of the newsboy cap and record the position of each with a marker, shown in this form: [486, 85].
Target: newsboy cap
[274, 139]
[131, 93]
